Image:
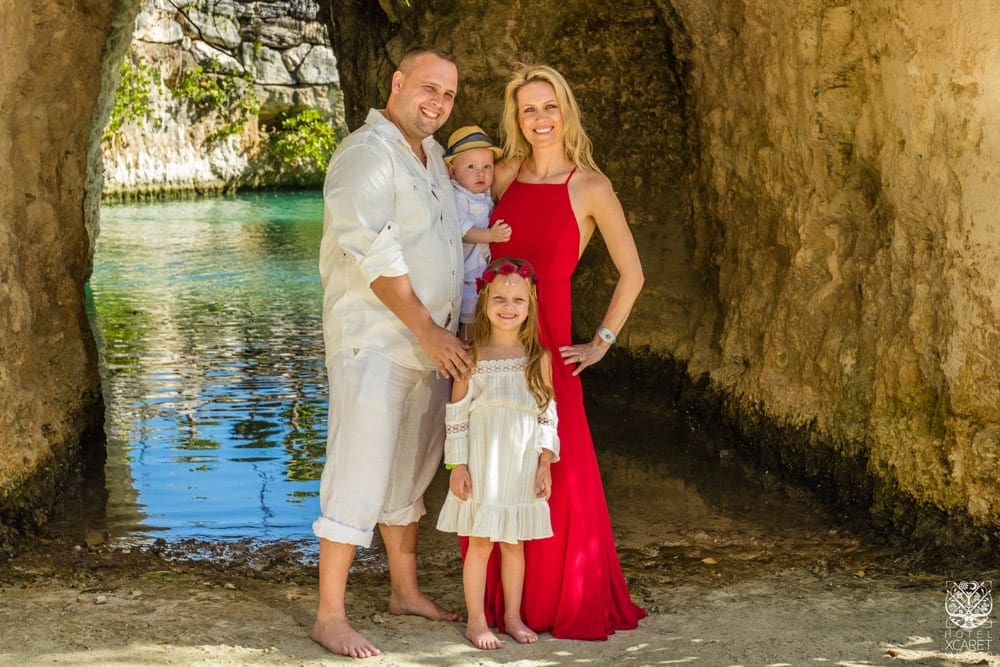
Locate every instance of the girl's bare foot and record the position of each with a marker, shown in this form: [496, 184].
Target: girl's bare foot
[337, 636]
[418, 605]
[482, 637]
[519, 631]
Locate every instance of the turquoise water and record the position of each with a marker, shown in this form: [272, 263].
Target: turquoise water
[207, 315]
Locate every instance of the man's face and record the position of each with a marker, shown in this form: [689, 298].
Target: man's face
[422, 98]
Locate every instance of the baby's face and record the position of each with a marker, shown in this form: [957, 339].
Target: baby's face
[473, 169]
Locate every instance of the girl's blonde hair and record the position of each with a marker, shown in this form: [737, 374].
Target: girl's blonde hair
[528, 334]
[579, 149]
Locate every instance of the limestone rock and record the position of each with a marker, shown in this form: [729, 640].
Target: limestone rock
[183, 147]
[267, 65]
[157, 26]
[214, 28]
[319, 67]
[306, 10]
[215, 60]
[281, 33]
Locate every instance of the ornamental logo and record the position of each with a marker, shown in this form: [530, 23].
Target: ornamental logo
[968, 603]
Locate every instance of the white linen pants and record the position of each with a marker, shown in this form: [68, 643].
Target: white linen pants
[384, 445]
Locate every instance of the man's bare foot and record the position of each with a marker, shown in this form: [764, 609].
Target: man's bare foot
[519, 631]
[337, 636]
[418, 605]
[482, 637]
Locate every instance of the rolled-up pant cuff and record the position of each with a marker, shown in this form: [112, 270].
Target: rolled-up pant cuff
[328, 529]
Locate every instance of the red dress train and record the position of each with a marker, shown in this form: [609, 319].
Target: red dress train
[574, 587]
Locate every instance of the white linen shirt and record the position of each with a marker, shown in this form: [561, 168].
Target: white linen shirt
[385, 214]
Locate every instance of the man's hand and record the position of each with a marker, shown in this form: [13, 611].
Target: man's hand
[449, 354]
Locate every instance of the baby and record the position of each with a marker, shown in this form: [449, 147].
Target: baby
[469, 155]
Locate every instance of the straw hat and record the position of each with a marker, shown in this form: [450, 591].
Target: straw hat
[466, 139]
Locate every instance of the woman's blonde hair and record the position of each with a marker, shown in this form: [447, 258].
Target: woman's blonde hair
[579, 149]
[527, 336]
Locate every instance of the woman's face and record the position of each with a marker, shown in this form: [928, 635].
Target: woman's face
[538, 114]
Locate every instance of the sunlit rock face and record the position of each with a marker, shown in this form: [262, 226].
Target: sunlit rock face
[272, 58]
[811, 190]
[50, 82]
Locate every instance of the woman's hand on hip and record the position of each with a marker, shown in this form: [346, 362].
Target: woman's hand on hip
[583, 355]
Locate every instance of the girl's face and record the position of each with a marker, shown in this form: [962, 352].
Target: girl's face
[507, 302]
[538, 114]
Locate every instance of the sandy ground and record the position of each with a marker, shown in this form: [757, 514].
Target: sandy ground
[733, 568]
[804, 599]
[65, 605]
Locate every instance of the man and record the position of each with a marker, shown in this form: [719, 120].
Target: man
[391, 265]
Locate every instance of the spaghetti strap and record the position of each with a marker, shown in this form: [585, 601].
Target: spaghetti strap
[570, 176]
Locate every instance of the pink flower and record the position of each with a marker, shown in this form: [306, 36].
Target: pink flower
[505, 269]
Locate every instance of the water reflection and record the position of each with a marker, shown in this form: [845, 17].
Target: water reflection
[208, 318]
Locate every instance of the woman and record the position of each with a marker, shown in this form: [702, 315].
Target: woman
[553, 196]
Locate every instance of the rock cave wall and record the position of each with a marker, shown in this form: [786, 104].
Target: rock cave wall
[848, 152]
[809, 185]
[809, 188]
[53, 104]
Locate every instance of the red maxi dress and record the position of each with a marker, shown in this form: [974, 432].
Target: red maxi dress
[574, 587]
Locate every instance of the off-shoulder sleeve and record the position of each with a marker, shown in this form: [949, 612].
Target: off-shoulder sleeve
[456, 442]
[547, 434]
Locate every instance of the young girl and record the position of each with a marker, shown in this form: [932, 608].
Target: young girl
[501, 440]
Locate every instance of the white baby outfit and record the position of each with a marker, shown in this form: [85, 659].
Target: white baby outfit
[473, 211]
[497, 431]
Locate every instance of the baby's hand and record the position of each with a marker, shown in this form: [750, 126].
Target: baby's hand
[460, 481]
[499, 232]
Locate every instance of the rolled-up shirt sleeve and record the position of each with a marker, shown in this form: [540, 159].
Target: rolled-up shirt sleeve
[360, 208]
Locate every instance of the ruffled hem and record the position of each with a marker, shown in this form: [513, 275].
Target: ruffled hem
[500, 523]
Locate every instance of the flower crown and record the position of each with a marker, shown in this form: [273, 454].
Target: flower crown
[505, 269]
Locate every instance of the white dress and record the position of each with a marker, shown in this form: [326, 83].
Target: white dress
[497, 431]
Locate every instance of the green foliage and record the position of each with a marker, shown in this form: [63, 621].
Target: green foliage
[136, 81]
[210, 90]
[303, 138]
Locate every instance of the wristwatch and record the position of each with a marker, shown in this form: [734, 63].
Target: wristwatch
[607, 335]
